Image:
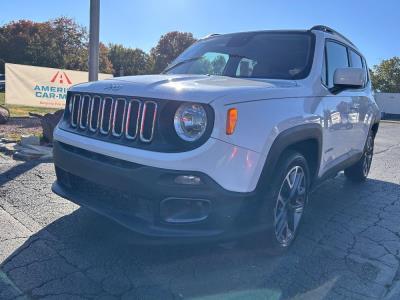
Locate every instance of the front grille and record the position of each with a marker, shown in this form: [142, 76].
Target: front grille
[136, 122]
[119, 117]
[131, 127]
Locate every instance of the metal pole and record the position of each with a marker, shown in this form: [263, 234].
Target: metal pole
[94, 40]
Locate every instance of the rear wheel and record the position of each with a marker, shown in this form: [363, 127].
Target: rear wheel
[359, 171]
[287, 201]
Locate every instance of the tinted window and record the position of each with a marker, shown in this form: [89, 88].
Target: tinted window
[210, 63]
[2, 77]
[356, 60]
[336, 58]
[286, 55]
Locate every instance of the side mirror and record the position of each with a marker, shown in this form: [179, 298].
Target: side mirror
[349, 78]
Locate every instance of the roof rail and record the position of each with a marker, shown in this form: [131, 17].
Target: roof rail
[331, 31]
[209, 35]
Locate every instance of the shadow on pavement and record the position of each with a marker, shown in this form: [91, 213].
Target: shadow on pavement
[336, 255]
[18, 170]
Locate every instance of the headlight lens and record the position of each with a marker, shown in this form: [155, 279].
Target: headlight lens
[190, 121]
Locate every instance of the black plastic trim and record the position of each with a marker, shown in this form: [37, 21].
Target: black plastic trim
[332, 172]
[282, 142]
[329, 30]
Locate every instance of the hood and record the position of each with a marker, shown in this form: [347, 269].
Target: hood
[194, 88]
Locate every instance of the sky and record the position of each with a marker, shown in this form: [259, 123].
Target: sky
[373, 26]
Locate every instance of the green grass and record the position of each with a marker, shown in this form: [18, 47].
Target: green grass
[23, 111]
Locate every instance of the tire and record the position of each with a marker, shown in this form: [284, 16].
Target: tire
[360, 170]
[287, 198]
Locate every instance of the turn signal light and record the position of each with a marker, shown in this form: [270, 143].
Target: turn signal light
[231, 119]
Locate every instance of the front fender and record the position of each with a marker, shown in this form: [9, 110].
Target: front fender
[285, 140]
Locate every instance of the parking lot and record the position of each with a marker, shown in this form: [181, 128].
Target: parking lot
[349, 245]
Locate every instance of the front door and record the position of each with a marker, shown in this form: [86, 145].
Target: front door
[339, 110]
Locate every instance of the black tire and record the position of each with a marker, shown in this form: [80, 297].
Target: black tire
[279, 189]
[360, 170]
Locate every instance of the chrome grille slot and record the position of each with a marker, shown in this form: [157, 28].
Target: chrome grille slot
[95, 107]
[106, 115]
[75, 110]
[132, 119]
[84, 106]
[148, 121]
[118, 120]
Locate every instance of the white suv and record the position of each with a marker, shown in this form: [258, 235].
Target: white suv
[228, 140]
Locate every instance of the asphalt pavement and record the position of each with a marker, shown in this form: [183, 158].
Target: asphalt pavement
[348, 247]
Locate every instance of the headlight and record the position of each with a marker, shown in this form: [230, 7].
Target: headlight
[190, 121]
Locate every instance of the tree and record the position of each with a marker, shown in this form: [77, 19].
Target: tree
[70, 42]
[218, 65]
[15, 37]
[59, 43]
[386, 76]
[128, 61]
[168, 48]
[105, 65]
[63, 43]
[209, 65]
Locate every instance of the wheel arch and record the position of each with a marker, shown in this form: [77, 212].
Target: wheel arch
[375, 127]
[305, 138]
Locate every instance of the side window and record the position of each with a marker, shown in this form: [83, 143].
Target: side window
[356, 60]
[336, 57]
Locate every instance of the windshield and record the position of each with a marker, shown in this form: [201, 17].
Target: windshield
[273, 55]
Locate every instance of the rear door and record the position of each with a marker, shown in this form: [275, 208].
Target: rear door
[360, 106]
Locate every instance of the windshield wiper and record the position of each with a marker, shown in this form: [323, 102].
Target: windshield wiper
[181, 63]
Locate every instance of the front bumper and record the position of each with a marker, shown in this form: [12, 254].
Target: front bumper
[139, 197]
[234, 168]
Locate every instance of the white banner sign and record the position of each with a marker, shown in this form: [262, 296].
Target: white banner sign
[41, 87]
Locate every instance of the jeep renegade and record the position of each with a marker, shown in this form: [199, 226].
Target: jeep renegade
[229, 140]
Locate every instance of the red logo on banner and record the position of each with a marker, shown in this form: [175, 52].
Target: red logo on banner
[61, 77]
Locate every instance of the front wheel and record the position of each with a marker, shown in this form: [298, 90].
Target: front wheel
[359, 171]
[287, 201]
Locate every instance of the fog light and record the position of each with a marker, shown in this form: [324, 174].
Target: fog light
[180, 210]
[188, 179]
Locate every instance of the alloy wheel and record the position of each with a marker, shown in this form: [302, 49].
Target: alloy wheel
[290, 205]
[369, 151]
